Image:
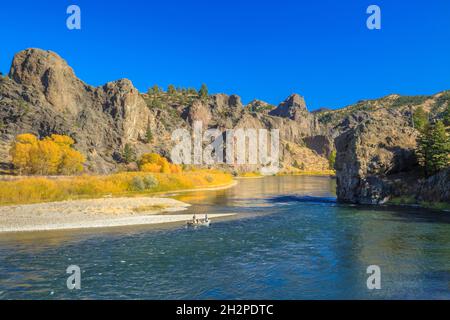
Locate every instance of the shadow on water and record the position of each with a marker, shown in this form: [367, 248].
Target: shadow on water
[411, 213]
[302, 199]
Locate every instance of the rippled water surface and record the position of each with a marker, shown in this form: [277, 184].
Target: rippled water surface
[289, 240]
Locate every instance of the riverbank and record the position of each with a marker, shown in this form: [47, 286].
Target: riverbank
[93, 213]
[31, 190]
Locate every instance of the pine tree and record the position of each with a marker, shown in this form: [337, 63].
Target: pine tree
[203, 92]
[128, 155]
[434, 148]
[441, 147]
[420, 119]
[149, 135]
[446, 116]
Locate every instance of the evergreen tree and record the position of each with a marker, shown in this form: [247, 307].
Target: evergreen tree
[149, 135]
[446, 116]
[203, 92]
[434, 148]
[441, 147]
[420, 119]
[128, 155]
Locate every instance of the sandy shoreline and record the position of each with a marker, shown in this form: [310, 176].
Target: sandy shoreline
[93, 213]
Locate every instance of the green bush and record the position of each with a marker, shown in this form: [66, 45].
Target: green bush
[332, 159]
[150, 182]
[409, 100]
[137, 184]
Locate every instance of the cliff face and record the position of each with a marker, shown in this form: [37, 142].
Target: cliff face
[43, 96]
[369, 154]
[376, 145]
[435, 189]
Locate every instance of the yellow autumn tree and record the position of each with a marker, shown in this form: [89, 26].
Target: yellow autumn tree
[49, 156]
[71, 161]
[63, 141]
[150, 167]
[21, 152]
[45, 157]
[153, 162]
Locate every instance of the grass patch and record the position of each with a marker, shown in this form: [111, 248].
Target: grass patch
[404, 200]
[409, 200]
[41, 189]
[436, 205]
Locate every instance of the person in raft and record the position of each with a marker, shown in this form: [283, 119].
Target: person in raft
[194, 218]
[206, 217]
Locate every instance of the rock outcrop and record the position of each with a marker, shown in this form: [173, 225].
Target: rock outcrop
[434, 189]
[43, 96]
[293, 108]
[321, 144]
[369, 154]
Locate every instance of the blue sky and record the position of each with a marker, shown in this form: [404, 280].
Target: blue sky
[257, 49]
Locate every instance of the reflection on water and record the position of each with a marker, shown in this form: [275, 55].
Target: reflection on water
[290, 240]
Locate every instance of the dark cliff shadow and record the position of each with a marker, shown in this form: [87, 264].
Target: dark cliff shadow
[5, 168]
[303, 199]
[405, 160]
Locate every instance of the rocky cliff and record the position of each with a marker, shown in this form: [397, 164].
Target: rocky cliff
[376, 142]
[42, 95]
[369, 154]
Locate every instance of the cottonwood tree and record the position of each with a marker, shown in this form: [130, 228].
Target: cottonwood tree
[50, 156]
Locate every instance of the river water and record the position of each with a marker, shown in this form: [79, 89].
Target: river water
[289, 240]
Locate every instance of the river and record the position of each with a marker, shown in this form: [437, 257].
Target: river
[289, 240]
